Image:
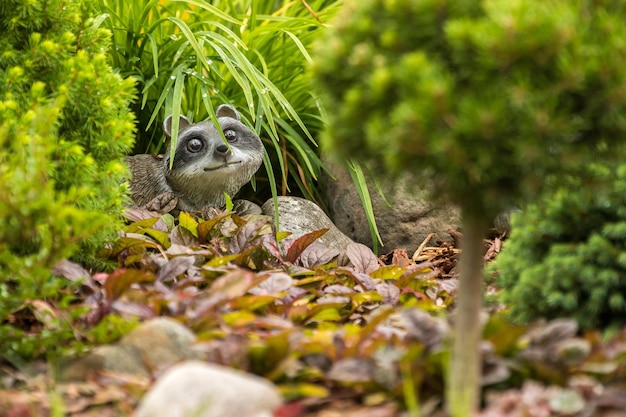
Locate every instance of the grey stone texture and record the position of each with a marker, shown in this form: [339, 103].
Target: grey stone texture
[404, 224]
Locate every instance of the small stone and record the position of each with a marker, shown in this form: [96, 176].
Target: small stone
[151, 347]
[162, 342]
[198, 389]
[567, 402]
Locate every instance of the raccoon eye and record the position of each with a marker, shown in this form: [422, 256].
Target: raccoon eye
[195, 145]
[230, 135]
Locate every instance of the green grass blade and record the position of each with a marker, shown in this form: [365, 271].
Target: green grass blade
[176, 106]
[356, 172]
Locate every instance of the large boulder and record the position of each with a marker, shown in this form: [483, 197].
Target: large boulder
[404, 223]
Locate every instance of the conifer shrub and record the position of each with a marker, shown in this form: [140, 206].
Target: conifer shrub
[566, 256]
[64, 128]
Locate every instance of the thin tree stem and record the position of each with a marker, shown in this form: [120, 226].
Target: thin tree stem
[463, 388]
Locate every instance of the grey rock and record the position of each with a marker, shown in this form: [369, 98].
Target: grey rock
[409, 219]
[197, 389]
[300, 216]
[161, 342]
[153, 346]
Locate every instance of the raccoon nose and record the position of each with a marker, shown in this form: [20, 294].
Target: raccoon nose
[221, 149]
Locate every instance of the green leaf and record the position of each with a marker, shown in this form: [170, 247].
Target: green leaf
[186, 221]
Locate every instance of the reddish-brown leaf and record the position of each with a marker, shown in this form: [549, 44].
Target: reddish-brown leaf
[303, 242]
[120, 280]
[174, 267]
[205, 227]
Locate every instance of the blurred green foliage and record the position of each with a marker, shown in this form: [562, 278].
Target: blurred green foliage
[189, 56]
[566, 256]
[64, 127]
[481, 99]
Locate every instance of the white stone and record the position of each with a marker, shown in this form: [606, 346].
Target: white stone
[199, 389]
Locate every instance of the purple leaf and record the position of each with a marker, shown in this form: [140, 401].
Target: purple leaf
[182, 236]
[362, 258]
[269, 242]
[275, 283]
[338, 289]
[317, 254]
[174, 267]
[390, 293]
[364, 280]
[245, 236]
[425, 328]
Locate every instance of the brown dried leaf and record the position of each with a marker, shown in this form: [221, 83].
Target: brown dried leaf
[400, 258]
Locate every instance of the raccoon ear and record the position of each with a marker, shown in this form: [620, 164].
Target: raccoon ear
[226, 110]
[183, 123]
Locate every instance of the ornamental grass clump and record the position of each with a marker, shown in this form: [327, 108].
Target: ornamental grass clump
[188, 57]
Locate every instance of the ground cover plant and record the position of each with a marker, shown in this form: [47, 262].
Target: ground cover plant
[358, 334]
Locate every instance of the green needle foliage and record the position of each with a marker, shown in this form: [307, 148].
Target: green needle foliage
[481, 100]
[566, 256]
[64, 128]
[188, 56]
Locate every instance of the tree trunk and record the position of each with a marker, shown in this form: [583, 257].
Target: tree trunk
[464, 373]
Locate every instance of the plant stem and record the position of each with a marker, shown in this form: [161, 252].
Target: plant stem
[463, 386]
